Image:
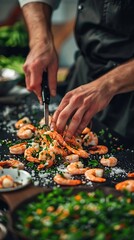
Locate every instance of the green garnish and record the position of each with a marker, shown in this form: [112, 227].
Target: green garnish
[61, 215]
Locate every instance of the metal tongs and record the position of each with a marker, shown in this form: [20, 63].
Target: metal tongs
[45, 97]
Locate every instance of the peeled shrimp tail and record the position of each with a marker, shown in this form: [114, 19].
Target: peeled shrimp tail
[48, 164]
[22, 122]
[26, 131]
[99, 149]
[76, 168]
[55, 135]
[12, 163]
[28, 154]
[125, 185]
[18, 148]
[95, 175]
[108, 162]
[65, 181]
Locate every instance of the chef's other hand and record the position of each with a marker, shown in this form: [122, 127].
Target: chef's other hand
[80, 105]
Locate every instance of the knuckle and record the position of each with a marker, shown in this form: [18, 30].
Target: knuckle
[63, 115]
[76, 118]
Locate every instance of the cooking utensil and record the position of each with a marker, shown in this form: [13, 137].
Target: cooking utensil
[45, 96]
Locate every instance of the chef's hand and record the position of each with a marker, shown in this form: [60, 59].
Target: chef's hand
[42, 54]
[80, 105]
[41, 57]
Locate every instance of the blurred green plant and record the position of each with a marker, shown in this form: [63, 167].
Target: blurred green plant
[14, 36]
[12, 62]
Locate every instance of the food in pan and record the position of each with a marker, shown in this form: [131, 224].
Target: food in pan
[64, 215]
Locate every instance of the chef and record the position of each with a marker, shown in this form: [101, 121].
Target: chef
[101, 83]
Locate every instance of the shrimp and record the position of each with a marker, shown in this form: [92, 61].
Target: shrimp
[72, 158]
[6, 181]
[12, 163]
[76, 168]
[59, 138]
[26, 131]
[131, 174]
[18, 148]
[22, 122]
[80, 152]
[108, 162]
[30, 155]
[125, 185]
[47, 164]
[95, 175]
[99, 149]
[58, 150]
[45, 155]
[34, 145]
[79, 140]
[90, 139]
[56, 136]
[66, 180]
[86, 130]
[74, 141]
[42, 121]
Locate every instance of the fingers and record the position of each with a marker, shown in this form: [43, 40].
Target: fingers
[41, 59]
[33, 80]
[59, 116]
[64, 113]
[78, 112]
[33, 77]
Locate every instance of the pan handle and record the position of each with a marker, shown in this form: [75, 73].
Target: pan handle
[14, 198]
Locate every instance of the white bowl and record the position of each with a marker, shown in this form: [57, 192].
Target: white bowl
[20, 176]
[8, 79]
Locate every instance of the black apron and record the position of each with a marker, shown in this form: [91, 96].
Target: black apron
[105, 36]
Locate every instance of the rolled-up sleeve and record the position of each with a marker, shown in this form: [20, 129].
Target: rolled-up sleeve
[53, 3]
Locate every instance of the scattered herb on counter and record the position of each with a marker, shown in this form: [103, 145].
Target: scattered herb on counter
[93, 163]
[101, 132]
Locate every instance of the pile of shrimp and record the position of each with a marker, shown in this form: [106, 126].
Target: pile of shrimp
[40, 145]
[43, 147]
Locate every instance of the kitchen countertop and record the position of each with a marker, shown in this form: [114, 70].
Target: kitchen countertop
[28, 105]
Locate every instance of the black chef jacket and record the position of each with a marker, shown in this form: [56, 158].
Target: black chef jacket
[105, 36]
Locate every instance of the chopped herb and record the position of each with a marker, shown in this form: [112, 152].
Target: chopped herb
[78, 216]
[93, 163]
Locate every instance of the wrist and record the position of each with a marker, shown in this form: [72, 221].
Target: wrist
[38, 20]
[120, 79]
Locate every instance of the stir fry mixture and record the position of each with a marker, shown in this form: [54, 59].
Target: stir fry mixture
[45, 148]
[60, 215]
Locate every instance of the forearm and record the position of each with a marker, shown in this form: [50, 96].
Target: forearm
[38, 20]
[120, 79]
